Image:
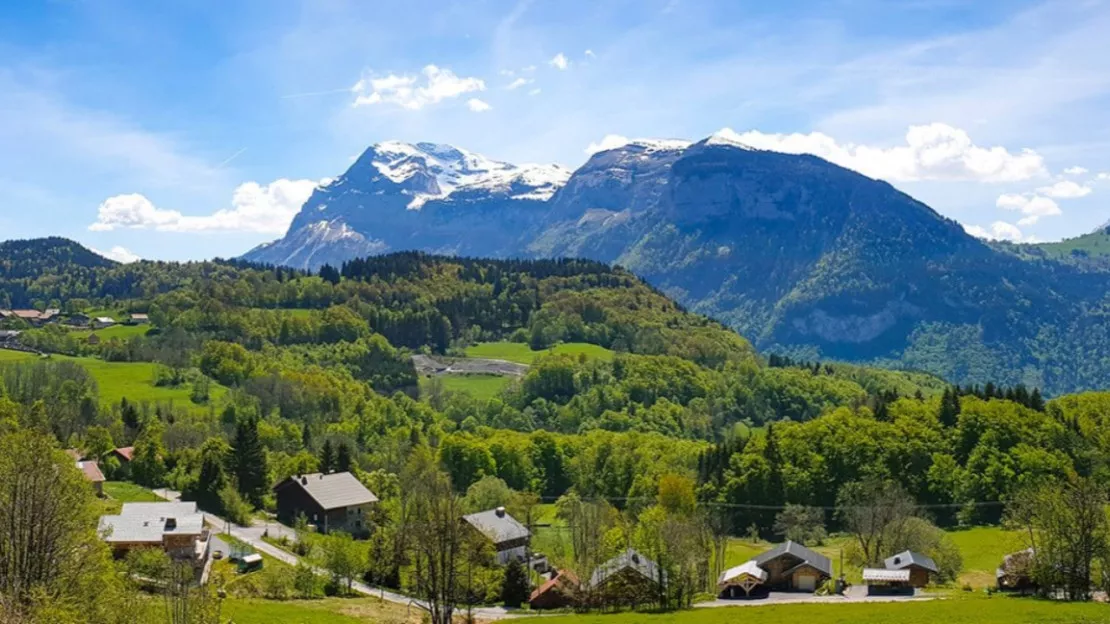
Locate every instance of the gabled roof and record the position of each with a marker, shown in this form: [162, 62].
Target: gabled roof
[498, 525]
[749, 568]
[105, 319]
[886, 575]
[627, 560]
[27, 314]
[139, 316]
[331, 491]
[127, 452]
[815, 560]
[910, 558]
[91, 471]
[561, 578]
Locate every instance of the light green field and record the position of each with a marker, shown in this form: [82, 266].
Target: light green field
[130, 493]
[117, 380]
[481, 387]
[121, 332]
[325, 611]
[958, 609]
[982, 549]
[522, 353]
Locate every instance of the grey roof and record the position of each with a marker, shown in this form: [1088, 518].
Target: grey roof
[885, 575]
[146, 522]
[333, 491]
[910, 558]
[630, 560]
[796, 550]
[498, 525]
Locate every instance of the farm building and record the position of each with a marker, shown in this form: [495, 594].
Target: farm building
[793, 567]
[176, 528]
[93, 475]
[921, 567]
[556, 593]
[330, 502]
[743, 581]
[629, 579]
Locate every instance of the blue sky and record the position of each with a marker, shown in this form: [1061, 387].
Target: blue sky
[194, 130]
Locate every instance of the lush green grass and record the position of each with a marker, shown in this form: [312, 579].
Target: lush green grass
[130, 493]
[326, 611]
[1093, 244]
[481, 387]
[982, 549]
[122, 332]
[522, 353]
[959, 609]
[117, 380]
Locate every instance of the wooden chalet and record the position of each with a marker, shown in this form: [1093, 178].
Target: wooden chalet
[793, 567]
[330, 502]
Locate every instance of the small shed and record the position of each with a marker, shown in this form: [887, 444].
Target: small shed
[921, 567]
[884, 582]
[558, 592]
[747, 577]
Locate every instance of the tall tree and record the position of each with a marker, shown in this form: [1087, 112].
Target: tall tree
[249, 458]
[327, 457]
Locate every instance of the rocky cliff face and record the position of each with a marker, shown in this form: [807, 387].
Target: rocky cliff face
[800, 255]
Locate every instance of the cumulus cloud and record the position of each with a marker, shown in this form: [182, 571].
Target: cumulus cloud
[1065, 189]
[611, 141]
[1000, 230]
[1033, 207]
[1104, 176]
[932, 152]
[519, 82]
[1076, 170]
[119, 254]
[434, 84]
[478, 106]
[590, 54]
[256, 208]
[559, 61]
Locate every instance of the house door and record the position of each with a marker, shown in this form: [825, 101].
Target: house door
[807, 583]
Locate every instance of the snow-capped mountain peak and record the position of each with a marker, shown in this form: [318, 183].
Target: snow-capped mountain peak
[454, 169]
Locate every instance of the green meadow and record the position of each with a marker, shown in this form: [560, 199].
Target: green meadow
[481, 387]
[520, 352]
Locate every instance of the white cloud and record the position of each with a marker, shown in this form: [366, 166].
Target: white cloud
[1000, 230]
[1104, 176]
[255, 208]
[589, 54]
[535, 91]
[1065, 189]
[519, 82]
[1033, 207]
[611, 141]
[434, 85]
[119, 254]
[1077, 170]
[932, 152]
[478, 106]
[559, 61]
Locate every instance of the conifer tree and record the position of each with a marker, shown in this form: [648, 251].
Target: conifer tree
[250, 460]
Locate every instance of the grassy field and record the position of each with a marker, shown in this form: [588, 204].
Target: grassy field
[122, 332]
[977, 609]
[116, 380]
[1094, 244]
[325, 611]
[130, 493]
[522, 353]
[982, 549]
[481, 387]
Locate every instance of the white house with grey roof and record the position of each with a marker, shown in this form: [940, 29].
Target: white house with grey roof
[330, 502]
[177, 528]
[509, 537]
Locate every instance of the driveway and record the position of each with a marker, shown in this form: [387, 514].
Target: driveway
[252, 535]
[854, 594]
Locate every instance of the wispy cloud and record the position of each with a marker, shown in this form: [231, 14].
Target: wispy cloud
[519, 82]
[478, 106]
[559, 61]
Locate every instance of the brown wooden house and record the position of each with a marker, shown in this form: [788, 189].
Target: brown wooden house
[330, 502]
[793, 567]
[922, 569]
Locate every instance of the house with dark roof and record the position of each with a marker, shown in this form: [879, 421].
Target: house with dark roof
[793, 567]
[509, 537]
[921, 567]
[628, 579]
[330, 502]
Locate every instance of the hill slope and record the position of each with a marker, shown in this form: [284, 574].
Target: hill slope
[800, 255]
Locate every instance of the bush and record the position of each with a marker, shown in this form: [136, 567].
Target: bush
[234, 507]
[276, 584]
[305, 581]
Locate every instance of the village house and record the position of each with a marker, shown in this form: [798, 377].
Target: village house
[9, 336]
[330, 502]
[103, 322]
[555, 593]
[77, 320]
[93, 475]
[629, 578]
[176, 528]
[1016, 572]
[139, 319]
[509, 537]
[793, 567]
[123, 454]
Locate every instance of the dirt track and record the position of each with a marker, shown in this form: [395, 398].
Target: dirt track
[438, 365]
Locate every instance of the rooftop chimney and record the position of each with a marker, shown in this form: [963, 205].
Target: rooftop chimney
[304, 480]
[171, 524]
[500, 511]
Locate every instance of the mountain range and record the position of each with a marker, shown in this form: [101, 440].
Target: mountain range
[802, 256]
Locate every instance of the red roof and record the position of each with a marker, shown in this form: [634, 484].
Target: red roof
[554, 582]
[91, 471]
[125, 452]
[27, 314]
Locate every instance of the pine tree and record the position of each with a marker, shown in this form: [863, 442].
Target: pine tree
[250, 460]
[1036, 401]
[327, 457]
[343, 458]
[949, 407]
[514, 591]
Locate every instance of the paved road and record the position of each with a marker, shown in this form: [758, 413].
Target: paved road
[252, 535]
